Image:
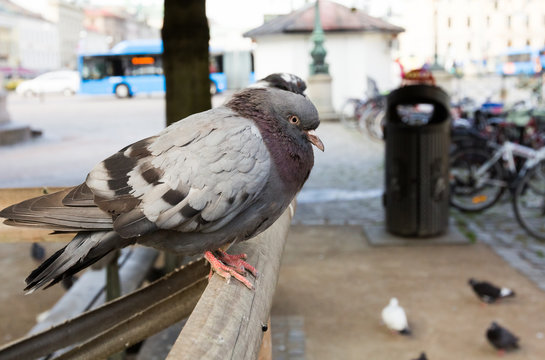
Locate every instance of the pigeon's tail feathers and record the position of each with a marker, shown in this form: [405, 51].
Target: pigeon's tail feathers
[505, 292]
[68, 210]
[84, 250]
[405, 331]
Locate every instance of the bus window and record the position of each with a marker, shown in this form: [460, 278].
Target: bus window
[216, 64]
[519, 57]
[94, 68]
[114, 66]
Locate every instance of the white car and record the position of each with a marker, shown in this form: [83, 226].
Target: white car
[63, 81]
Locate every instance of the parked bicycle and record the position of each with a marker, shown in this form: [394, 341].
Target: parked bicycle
[351, 111]
[478, 179]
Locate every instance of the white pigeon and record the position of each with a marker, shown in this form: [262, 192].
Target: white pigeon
[395, 318]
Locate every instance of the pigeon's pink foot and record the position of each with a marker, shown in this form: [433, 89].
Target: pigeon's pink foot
[228, 266]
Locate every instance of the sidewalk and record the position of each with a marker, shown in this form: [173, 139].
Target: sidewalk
[333, 286]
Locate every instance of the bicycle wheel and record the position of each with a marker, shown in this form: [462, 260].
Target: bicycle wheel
[375, 124]
[474, 187]
[529, 201]
[349, 112]
[365, 113]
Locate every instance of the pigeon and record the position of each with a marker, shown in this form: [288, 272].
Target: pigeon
[501, 338]
[284, 81]
[37, 252]
[395, 319]
[489, 293]
[422, 356]
[203, 183]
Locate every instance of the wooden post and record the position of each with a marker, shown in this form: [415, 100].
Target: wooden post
[227, 323]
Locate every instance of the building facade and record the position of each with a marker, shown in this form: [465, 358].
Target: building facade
[467, 34]
[27, 40]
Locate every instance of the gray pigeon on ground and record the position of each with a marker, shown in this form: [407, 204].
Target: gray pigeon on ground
[501, 338]
[206, 181]
[488, 292]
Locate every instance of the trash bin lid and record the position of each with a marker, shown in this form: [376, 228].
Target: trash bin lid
[431, 105]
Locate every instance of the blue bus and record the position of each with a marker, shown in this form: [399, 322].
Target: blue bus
[522, 61]
[135, 67]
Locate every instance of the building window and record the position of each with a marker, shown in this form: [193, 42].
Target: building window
[468, 45]
[449, 22]
[509, 21]
[527, 21]
[468, 21]
[496, 5]
[528, 42]
[488, 21]
[509, 43]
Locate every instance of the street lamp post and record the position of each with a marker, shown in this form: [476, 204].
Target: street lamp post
[319, 81]
[318, 53]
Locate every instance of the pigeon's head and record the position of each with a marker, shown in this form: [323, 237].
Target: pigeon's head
[394, 302]
[280, 111]
[283, 81]
[493, 331]
[472, 281]
[494, 326]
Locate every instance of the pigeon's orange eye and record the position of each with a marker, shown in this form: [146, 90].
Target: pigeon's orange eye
[294, 120]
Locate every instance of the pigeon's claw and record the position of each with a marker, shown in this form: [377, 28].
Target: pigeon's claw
[228, 266]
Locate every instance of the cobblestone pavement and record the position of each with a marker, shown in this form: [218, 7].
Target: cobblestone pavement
[346, 186]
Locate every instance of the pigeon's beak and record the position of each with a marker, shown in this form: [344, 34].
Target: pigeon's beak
[314, 139]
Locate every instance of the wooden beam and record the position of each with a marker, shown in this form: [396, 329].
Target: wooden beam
[133, 309]
[162, 314]
[88, 292]
[228, 321]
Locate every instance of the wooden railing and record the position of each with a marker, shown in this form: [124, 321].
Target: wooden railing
[226, 320]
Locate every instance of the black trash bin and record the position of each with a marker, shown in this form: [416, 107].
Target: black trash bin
[417, 138]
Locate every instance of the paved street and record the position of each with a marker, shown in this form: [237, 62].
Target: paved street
[345, 186]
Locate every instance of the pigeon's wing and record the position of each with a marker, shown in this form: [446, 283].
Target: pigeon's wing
[196, 175]
[486, 289]
[507, 339]
[67, 210]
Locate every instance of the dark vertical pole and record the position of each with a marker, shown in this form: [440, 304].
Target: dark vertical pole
[185, 36]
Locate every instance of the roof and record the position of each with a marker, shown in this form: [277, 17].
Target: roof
[142, 46]
[334, 17]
